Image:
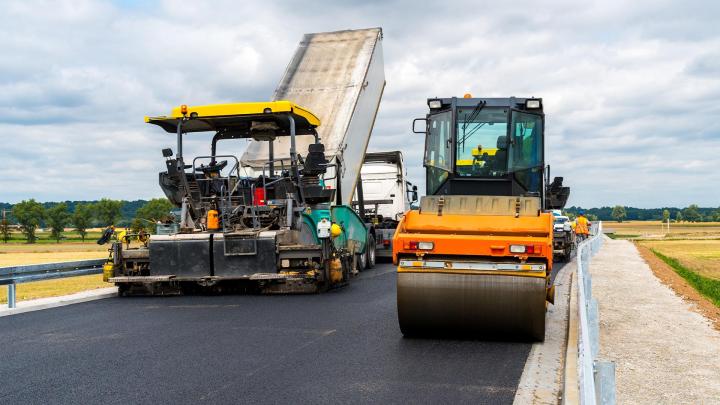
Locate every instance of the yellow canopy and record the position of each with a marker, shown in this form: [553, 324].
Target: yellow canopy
[239, 117]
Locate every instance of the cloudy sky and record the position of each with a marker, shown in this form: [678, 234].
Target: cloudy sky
[631, 88]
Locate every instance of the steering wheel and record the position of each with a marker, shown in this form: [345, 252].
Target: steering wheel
[212, 168]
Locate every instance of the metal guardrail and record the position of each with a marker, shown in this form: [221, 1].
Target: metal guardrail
[596, 378]
[22, 274]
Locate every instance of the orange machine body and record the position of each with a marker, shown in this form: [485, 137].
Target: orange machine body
[475, 237]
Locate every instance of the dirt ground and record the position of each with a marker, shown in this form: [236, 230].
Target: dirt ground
[665, 351]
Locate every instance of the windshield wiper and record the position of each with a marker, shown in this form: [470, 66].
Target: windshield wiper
[470, 118]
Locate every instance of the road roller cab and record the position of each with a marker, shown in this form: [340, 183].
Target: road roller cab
[476, 257]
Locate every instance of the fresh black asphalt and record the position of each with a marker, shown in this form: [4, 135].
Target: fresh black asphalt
[340, 347]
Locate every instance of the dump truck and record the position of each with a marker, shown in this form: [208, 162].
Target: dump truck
[277, 219]
[475, 259]
[386, 196]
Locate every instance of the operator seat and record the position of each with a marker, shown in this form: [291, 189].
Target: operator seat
[500, 162]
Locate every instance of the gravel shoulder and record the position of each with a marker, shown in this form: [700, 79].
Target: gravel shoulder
[543, 376]
[665, 351]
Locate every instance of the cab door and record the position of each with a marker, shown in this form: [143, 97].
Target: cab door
[438, 150]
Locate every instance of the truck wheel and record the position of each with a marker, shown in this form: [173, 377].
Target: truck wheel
[370, 253]
[360, 262]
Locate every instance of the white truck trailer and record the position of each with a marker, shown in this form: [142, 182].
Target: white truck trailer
[386, 196]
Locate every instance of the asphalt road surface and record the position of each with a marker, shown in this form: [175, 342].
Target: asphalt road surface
[340, 347]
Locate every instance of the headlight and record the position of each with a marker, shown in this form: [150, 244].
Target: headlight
[434, 104]
[426, 245]
[529, 249]
[532, 104]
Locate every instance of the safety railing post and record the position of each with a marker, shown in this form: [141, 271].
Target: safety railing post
[587, 281]
[594, 323]
[605, 382]
[13, 275]
[596, 378]
[11, 295]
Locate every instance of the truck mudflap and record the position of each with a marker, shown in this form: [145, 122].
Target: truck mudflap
[474, 299]
[384, 242]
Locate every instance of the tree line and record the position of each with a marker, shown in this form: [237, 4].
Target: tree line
[29, 215]
[691, 213]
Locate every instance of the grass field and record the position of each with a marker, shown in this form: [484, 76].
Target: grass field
[656, 230]
[700, 256]
[43, 237]
[707, 286]
[692, 250]
[14, 254]
[696, 246]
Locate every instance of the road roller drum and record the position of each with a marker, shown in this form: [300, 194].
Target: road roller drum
[471, 305]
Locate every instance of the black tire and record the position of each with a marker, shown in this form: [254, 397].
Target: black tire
[538, 332]
[370, 253]
[360, 262]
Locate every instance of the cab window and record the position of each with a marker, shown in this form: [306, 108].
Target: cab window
[438, 155]
[526, 150]
[481, 149]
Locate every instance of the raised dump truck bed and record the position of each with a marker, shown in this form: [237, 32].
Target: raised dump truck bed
[340, 77]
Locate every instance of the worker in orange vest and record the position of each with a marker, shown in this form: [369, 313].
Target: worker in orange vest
[582, 226]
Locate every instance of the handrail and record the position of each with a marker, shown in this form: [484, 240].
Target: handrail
[21, 274]
[596, 378]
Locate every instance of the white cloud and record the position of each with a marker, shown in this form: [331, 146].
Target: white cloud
[629, 88]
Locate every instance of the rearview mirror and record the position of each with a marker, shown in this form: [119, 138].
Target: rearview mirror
[414, 194]
[167, 152]
[424, 128]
